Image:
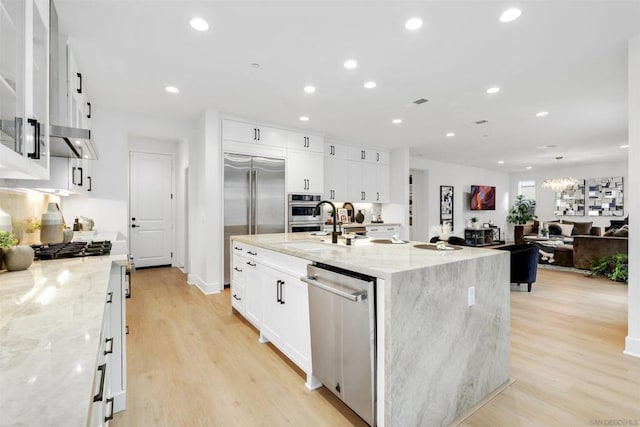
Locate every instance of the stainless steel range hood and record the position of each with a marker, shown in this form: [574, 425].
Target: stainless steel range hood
[71, 142]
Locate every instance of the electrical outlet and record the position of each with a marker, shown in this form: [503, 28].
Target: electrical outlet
[471, 294]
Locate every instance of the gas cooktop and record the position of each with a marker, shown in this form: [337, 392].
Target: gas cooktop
[71, 250]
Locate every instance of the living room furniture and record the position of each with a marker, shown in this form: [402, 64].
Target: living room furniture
[533, 228]
[482, 236]
[589, 248]
[553, 250]
[524, 263]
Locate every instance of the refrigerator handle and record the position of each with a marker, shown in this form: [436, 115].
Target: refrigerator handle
[250, 212]
[255, 202]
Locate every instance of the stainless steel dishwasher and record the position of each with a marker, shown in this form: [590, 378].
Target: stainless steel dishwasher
[343, 335]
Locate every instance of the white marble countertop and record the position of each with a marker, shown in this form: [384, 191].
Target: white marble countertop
[50, 320]
[379, 260]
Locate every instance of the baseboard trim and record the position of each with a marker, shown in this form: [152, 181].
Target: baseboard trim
[205, 288]
[632, 346]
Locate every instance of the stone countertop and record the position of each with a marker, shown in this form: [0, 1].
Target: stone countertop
[378, 260]
[50, 320]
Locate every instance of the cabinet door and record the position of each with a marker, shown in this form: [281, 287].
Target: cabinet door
[274, 322]
[238, 131]
[305, 141]
[336, 151]
[335, 179]
[272, 136]
[355, 190]
[383, 189]
[305, 172]
[253, 292]
[369, 181]
[238, 283]
[296, 321]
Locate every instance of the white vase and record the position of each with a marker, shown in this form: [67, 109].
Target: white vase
[51, 225]
[5, 221]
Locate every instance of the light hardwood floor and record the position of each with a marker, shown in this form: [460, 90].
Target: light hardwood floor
[191, 362]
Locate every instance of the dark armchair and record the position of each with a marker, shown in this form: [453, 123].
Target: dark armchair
[524, 263]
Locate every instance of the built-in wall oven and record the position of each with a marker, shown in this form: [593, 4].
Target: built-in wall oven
[300, 213]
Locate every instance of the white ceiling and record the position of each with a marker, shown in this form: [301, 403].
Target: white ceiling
[565, 57]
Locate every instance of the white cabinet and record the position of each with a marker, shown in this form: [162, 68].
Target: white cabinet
[337, 151]
[305, 172]
[252, 133]
[382, 231]
[335, 178]
[286, 315]
[24, 89]
[109, 384]
[79, 107]
[66, 175]
[275, 300]
[305, 142]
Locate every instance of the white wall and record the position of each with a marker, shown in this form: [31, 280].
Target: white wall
[206, 206]
[545, 198]
[108, 204]
[397, 210]
[632, 342]
[461, 178]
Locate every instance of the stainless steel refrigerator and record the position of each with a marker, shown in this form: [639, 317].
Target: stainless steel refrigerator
[254, 198]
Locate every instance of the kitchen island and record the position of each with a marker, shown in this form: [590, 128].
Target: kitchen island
[54, 320]
[439, 355]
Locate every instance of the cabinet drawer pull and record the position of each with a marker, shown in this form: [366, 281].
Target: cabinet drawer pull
[281, 293]
[110, 295]
[252, 253]
[88, 110]
[36, 139]
[237, 248]
[278, 290]
[237, 269]
[103, 373]
[258, 134]
[251, 264]
[110, 416]
[90, 186]
[236, 297]
[79, 89]
[110, 350]
[391, 229]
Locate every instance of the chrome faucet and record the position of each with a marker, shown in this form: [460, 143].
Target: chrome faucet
[316, 211]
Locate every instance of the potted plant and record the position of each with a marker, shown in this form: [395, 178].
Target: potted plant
[521, 211]
[7, 241]
[544, 232]
[615, 267]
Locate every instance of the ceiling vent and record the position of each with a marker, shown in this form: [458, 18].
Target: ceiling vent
[481, 122]
[420, 101]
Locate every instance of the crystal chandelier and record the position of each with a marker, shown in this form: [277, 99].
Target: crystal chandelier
[559, 184]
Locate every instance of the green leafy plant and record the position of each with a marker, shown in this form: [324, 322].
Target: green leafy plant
[520, 211]
[615, 267]
[474, 219]
[544, 232]
[7, 240]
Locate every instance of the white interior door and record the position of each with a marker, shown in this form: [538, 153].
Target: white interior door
[150, 210]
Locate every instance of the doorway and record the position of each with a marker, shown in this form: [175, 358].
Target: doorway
[150, 208]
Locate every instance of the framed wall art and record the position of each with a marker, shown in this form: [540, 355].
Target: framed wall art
[446, 205]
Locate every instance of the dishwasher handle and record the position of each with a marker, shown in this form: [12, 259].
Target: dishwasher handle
[313, 281]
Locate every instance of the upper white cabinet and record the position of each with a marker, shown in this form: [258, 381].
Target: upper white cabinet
[79, 105]
[248, 132]
[356, 174]
[305, 142]
[305, 172]
[24, 89]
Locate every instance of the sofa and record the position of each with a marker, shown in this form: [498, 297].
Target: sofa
[584, 243]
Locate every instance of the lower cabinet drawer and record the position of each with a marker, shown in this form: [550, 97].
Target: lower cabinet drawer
[237, 298]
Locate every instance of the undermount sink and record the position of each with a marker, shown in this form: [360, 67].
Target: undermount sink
[310, 245]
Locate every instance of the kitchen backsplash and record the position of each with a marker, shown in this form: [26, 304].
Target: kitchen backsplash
[25, 208]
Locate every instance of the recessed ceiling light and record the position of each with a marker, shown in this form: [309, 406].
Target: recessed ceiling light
[309, 89]
[350, 64]
[542, 114]
[370, 85]
[172, 89]
[624, 146]
[492, 90]
[450, 134]
[396, 121]
[510, 15]
[500, 162]
[255, 65]
[529, 167]
[413, 24]
[199, 24]
[304, 118]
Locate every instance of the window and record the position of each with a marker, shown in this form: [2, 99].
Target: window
[527, 189]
